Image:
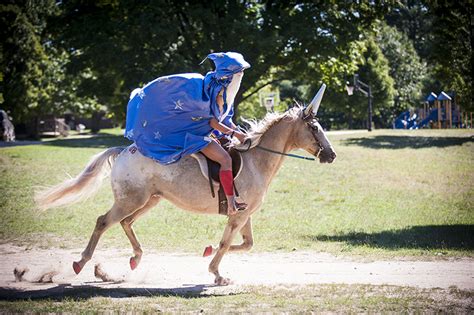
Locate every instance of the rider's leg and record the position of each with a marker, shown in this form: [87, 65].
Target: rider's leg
[215, 152]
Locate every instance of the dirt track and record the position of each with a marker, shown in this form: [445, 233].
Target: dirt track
[187, 272]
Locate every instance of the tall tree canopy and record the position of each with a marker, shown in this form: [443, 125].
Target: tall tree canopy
[84, 56]
[126, 43]
[441, 32]
[24, 59]
[405, 66]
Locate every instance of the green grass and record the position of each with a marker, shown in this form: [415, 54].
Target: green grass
[389, 193]
[288, 299]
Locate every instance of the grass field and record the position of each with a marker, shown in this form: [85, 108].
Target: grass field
[286, 299]
[389, 193]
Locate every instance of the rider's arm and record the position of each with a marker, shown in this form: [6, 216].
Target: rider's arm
[215, 124]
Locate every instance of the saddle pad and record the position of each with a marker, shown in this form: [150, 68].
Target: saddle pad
[203, 164]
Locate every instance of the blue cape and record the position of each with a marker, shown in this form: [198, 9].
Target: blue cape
[169, 117]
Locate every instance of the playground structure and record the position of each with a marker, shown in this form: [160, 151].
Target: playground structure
[438, 112]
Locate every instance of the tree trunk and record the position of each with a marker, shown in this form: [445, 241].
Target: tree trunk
[32, 128]
[95, 121]
[350, 119]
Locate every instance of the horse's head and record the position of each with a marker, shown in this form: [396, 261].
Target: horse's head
[310, 135]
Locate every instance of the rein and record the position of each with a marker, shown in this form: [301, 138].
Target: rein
[288, 154]
[282, 153]
[308, 120]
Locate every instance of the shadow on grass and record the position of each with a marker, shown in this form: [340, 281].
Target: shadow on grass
[83, 292]
[401, 142]
[97, 141]
[417, 237]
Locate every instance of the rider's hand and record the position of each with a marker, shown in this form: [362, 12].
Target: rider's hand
[239, 135]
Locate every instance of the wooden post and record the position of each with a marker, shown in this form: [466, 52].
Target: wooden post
[459, 116]
[470, 125]
[445, 117]
[449, 115]
[438, 106]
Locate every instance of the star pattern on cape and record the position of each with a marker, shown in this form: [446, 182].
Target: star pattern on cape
[129, 134]
[157, 135]
[178, 105]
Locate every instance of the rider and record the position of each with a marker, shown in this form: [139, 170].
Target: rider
[174, 116]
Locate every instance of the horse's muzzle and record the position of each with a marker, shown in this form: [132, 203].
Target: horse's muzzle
[327, 156]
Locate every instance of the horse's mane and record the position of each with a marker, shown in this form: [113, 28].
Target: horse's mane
[258, 128]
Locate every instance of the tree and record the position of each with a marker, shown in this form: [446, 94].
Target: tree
[127, 44]
[35, 81]
[23, 58]
[80, 54]
[375, 71]
[441, 32]
[413, 18]
[452, 47]
[406, 67]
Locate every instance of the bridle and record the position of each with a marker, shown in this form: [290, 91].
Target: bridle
[309, 120]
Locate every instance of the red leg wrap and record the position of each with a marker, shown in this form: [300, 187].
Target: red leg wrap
[227, 180]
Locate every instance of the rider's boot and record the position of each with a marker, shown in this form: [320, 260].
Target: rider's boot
[227, 181]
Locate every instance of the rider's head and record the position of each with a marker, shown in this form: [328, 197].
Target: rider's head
[227, 64]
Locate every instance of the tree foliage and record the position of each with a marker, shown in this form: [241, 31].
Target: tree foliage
[23, 57]
[35, 80]
[84, 56]
[405, 66]
[375, 71]
[441, 32]
[126, 44]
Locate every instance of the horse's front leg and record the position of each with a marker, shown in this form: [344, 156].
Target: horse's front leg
[247, 236]
[235, 223]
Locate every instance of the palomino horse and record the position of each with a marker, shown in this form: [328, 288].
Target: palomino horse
[139, 183]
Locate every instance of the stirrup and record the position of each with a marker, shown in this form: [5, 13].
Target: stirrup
[240, 206]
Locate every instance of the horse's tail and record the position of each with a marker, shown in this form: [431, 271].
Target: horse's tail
[83, 185]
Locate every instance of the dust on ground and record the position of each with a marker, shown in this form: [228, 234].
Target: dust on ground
[49, 273]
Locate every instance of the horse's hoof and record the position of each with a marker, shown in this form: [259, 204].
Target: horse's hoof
[77, 268]
[207, 251]
[221, 281]
[133, 263]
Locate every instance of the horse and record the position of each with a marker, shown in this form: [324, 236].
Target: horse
[139, 183]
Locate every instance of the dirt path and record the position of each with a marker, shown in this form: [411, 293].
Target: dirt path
[187, 272]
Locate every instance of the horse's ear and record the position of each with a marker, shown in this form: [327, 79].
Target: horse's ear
[314, 105]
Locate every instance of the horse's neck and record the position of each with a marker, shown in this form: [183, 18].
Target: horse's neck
[277, 138]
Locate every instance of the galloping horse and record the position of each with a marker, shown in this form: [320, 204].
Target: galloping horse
[139, 183]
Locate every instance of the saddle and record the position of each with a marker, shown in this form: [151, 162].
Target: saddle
[210, 171]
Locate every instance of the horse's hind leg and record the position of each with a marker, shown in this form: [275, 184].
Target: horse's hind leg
[247, 236]
[114, 215]
[127, 227]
